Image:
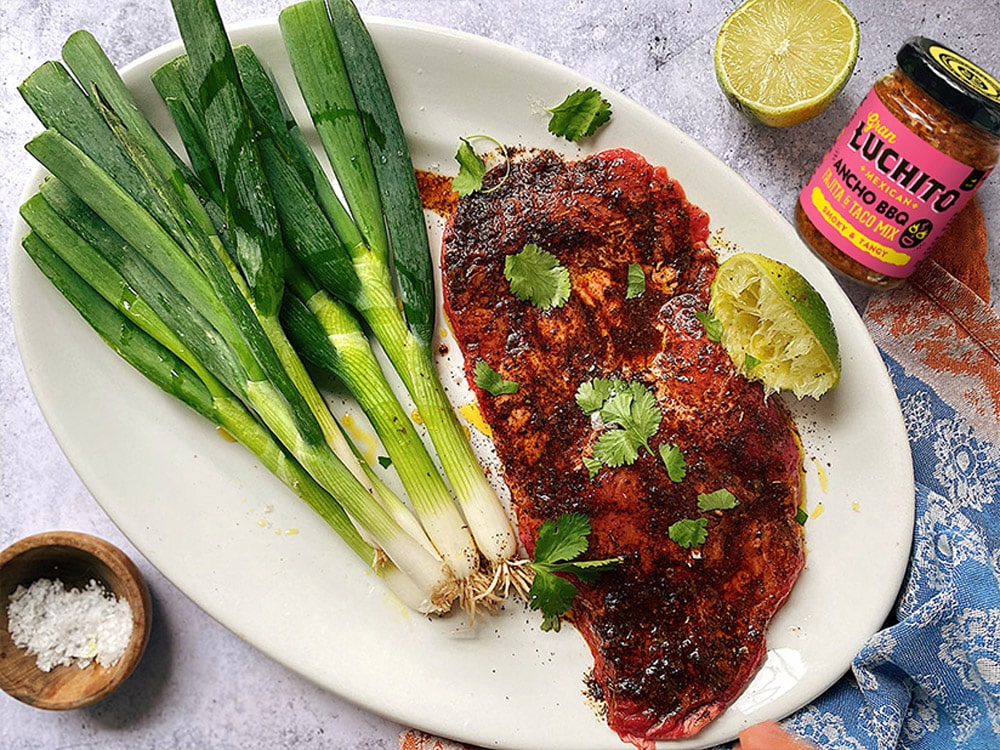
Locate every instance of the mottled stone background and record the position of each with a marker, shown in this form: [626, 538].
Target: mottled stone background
[200, 686]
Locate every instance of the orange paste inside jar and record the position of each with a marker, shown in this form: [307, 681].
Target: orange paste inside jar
[944, 126]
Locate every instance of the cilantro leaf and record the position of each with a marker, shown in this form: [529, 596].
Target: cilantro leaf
[618, 406]
[645, 414]
[689, 532]
[592, 394]
[563, 539]
[719, 500]
[749, 361]
[636, 284]
[557, 546]
[592, 465]
[713, 326]
[579, 115]
[491, 381]
[536, 276]
[614, 448]
[673, 459]
[471, 170]
[553, 595]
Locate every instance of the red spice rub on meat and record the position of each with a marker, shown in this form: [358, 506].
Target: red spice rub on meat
[676, 633]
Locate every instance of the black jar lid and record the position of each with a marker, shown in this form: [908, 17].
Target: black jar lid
[956, 83]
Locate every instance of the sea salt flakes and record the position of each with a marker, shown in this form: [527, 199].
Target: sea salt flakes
[61, 626]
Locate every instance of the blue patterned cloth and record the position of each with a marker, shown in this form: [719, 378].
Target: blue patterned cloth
[931, 679]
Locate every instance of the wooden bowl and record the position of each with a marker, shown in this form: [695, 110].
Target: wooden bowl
[75, 559]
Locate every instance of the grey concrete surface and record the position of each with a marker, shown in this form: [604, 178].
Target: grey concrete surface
[199, 685]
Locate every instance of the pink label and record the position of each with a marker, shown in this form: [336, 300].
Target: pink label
[882, 194]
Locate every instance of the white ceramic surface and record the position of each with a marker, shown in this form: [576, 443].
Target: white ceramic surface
[191, 501]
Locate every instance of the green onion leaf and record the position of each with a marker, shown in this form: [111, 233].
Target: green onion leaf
[248, 203]
[404, 214]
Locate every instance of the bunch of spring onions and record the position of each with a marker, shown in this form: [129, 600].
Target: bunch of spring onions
[217, 276]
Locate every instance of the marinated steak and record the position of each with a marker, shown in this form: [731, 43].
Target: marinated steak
[676, 633]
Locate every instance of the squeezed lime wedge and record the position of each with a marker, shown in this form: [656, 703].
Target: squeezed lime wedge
[775, 325]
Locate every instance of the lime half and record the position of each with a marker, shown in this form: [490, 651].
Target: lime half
[775, 325]
[781, 62]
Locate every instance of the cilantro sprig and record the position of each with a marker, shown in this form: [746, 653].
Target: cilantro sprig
[579, 115]
[491, 381]
[536, 276]
[558, 546]
[630, 414]
[472, 168]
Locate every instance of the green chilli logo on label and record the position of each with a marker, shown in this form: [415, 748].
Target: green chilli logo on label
[967, 72]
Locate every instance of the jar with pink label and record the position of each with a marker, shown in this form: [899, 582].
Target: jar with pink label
[912, 155]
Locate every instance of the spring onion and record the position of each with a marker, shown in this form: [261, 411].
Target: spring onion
[338, 337]
[230, 309]
[319, 67]
[328, 334]
[216, 276]
[139, 336]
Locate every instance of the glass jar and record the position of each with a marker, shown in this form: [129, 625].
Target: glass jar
[912, 155]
